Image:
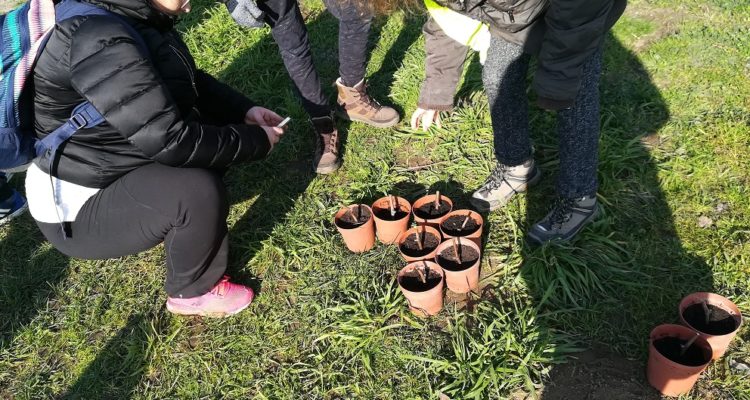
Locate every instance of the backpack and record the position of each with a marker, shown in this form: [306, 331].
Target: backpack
[24, 32]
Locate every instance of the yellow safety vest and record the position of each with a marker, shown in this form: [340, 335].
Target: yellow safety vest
[464, 30]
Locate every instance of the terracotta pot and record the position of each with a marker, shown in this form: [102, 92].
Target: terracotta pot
[475, 236]
[389, 230]
[432, 222]
[669, 377]
[418, 231]
[424, 300]
[719, 342]
[359, 238]
[459, 280]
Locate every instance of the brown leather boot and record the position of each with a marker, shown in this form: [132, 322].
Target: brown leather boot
[356, 105]
[327, 159]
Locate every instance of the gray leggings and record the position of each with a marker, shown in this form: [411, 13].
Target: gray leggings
[504, 77]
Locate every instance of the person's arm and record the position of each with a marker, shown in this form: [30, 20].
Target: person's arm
[575, 29]
[444, 63]
[219, 101]
[120, 82]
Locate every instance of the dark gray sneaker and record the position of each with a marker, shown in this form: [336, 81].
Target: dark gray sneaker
[503, 183]
[567, 218]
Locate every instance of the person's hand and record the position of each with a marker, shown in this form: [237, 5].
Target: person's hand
[426, 117]
[274, 134]
[262, 116]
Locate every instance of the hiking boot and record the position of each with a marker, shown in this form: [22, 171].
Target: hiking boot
[565, 220]
[356, 105]
[224, 299]
[12, 207]
[503, 183]
[327, 159]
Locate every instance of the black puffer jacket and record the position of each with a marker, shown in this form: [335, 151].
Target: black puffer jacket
[153, 105]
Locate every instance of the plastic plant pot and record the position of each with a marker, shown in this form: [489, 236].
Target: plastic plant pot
[356, 226]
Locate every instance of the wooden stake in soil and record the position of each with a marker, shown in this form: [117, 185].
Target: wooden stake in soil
[422, 276]
[419, 242]
[437, 199]
[456, 242]
[391, 204]
[706, 311]
[351, 214]
[466, 221]
[686, 346]
[426, 271]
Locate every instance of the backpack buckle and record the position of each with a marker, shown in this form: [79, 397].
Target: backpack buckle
[79, 121]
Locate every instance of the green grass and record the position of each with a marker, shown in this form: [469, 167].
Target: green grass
[329, 324]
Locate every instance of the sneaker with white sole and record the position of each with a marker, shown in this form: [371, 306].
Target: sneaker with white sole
[503, 183]
[223, 300]
[565, 220]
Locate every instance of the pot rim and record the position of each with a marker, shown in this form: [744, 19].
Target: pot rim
[702, 339]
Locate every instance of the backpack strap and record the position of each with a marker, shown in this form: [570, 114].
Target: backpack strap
[84, 115]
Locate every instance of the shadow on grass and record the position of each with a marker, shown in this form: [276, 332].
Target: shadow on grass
[626, 273]
[119, 366]
[28, 275]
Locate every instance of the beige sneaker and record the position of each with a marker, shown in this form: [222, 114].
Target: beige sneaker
[503, 184]
[327, 159]
[356, 105]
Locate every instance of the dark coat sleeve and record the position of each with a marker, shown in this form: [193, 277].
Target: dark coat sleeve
[444, 63]
[118, 80]
[575, 29]
[219, 101]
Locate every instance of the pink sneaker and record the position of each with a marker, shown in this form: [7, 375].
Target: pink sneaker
[224, 299]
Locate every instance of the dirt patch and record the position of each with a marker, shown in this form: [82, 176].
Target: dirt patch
[667, 20]
[598, 374]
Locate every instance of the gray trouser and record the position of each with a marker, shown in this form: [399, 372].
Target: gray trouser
[504, 79]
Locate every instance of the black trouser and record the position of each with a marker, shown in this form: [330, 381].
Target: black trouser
[186, 208]
[289, 31]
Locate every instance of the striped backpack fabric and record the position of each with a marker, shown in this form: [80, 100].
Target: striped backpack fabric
[23, 34]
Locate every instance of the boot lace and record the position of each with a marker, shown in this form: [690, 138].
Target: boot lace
[561, 211]
[361, 95]
[497, 178]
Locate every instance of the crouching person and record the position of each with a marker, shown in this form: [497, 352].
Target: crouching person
[152, 171]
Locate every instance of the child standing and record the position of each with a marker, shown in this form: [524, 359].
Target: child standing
[566, 37]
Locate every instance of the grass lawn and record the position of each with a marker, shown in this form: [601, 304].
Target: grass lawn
[557, 322]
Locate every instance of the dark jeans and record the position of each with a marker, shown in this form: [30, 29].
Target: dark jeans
[186, 208]
[289, 32]
[504, 77]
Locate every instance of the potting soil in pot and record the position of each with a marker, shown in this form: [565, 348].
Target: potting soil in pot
[412, 282]
[362, 214]
[429, 211]
[410, 247]
[671, 347]
[385, 214]
[720, 322]
[448, 260]
[452, 226]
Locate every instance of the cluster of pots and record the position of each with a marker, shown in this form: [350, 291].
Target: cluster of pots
[678, 354]
[442, 250]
